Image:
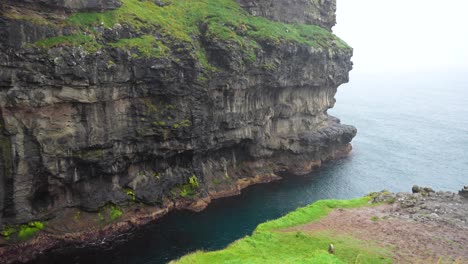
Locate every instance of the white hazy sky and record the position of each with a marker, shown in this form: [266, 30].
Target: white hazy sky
[405, 35]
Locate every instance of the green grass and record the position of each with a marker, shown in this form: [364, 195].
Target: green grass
[146, 46]
[180, 25]
[269, 244]
[88, 42]
[311, 213]
[221, 19]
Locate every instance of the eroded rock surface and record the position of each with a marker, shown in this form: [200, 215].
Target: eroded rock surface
[317, 12]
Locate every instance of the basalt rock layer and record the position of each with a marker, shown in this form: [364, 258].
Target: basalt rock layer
[318, 12]
[152, 101]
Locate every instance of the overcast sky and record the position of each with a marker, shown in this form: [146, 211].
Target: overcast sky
[405, 35]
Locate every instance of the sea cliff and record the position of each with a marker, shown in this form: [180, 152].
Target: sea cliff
[109, 105]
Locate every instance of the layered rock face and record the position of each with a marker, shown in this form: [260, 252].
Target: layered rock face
[80, 127]
[318, 12]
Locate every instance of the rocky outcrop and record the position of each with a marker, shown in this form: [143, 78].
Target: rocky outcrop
[92, 112]
[464, 192]
[317, 12]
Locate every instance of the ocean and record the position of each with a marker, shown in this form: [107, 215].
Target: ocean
[412, 129]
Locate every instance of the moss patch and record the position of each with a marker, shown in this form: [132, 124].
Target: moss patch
[130, 193]
[109, 213]
[115, 213]
[22, 232]
[187, 190]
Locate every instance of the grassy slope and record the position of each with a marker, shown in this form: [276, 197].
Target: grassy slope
[181, 22]
[269, 245]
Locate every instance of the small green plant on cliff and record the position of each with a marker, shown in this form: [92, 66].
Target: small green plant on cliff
[269, 67]
[193, 181]
[101, 217]
[23, 232]
[183, 123]
[29, 230]
[157, 175]
[88, 42]
[77, 216]
[189, 189]
[130, 193]
[115, 213]
[7, 231]
[109, 213]
[159, 123]
[147, 46]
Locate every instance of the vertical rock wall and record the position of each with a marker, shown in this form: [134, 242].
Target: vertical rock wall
[78, 129]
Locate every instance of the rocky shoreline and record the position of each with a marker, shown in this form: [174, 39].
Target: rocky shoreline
[428, 206]
[134, 217]
[425, 206]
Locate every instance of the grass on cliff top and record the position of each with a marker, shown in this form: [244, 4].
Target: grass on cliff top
[181, 21]
[87, 41]
[269, 245]
[146, 45]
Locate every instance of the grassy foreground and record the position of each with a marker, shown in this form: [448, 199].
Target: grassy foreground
[270, 244]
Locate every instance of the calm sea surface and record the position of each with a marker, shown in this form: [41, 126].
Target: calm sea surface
[412, 129]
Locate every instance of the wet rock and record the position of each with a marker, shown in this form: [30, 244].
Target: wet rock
[422, 190]
[446, 208]
[161, 3]
[464, 192]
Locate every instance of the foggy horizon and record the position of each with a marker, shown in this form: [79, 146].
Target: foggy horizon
[405, 36]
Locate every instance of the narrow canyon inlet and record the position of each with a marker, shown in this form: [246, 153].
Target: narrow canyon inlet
[138, 131]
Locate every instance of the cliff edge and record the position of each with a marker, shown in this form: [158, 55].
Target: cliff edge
[383, 227]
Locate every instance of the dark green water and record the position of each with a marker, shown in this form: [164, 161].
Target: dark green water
[413, 129]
